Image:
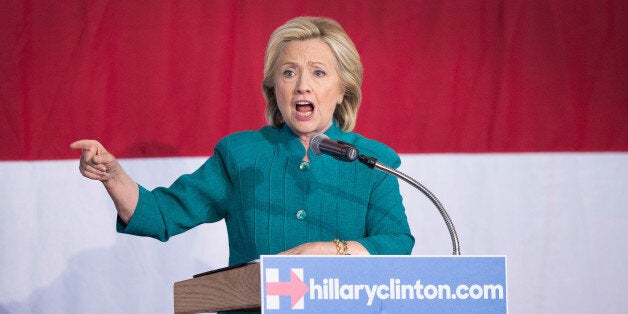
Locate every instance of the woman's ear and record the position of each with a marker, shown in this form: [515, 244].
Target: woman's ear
[343, 91]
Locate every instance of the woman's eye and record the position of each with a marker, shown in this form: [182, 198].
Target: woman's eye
[288, 73]
[319, 73]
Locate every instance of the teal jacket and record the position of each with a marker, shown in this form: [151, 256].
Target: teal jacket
[272, 201]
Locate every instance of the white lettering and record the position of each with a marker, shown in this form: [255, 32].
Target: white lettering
[444, 292]
[346, 292]
[461, 292]
[495, 292]
[418, 287]
[475, 292]
[357, 289]
[331, 288]
[314, 288]
[397, 289]
[407, 291]
[381, 294]
[370, 291]
[430, 292]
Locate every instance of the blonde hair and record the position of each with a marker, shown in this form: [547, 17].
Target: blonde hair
[347, 59]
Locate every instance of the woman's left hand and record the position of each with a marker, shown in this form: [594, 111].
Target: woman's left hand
[325, 248]
[312, 248]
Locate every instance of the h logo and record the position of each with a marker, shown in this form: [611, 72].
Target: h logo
[295, 288]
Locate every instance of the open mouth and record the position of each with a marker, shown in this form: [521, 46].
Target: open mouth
[304, 108]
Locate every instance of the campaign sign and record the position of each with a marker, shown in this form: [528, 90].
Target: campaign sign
[383, 284]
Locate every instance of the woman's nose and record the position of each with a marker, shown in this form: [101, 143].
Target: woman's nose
[303, 84]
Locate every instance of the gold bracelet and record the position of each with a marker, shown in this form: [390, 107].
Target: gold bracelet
[339, 250]
[346, 248]
[342, 248]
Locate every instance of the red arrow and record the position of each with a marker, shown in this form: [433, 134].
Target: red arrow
[295, 288]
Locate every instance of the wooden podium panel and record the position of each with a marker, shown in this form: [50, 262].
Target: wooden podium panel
[236, 288]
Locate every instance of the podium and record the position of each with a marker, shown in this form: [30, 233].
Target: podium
[323, 284]
[226, 289]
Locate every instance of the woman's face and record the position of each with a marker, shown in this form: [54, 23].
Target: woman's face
[307, 87]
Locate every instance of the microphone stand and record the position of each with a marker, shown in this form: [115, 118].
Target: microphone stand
[373, 163]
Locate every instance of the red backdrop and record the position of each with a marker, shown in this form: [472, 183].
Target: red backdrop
[169, 78]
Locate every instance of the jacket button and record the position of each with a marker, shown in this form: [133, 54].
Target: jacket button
[301, 214]
[304, 166]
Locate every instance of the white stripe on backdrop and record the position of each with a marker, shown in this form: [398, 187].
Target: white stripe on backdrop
[560, 219]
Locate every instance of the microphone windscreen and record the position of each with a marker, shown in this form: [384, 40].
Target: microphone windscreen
[315, 142]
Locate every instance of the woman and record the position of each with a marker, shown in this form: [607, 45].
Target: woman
[274, 196]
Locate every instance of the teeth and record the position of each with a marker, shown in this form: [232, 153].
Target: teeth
[304, 108]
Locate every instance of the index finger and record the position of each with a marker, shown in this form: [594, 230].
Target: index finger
[92, 146]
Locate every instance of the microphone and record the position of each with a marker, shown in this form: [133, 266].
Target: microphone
[322, 144]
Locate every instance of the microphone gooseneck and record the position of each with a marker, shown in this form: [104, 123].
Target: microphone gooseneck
[374, 164]
[321, 144]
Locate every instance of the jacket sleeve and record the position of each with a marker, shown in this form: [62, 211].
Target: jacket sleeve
[193, 199]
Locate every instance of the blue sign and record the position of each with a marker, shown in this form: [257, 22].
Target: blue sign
[383, 284]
